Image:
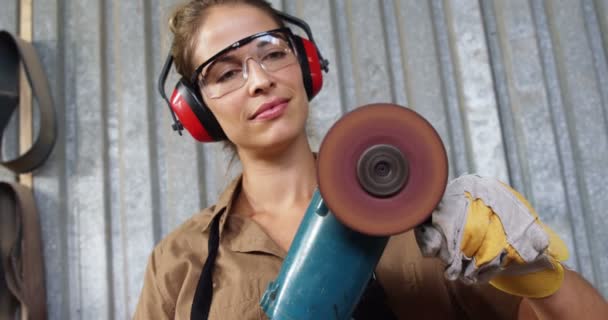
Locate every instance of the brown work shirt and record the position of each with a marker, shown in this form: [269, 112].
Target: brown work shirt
[248, 259]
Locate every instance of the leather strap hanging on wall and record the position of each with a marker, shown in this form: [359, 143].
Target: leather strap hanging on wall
[22, 263]
[22, 284]
[13, 50]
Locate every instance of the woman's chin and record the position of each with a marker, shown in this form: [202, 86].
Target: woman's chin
[273, 141]
[277, 140]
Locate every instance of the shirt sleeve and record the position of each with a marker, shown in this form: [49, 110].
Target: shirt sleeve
[416, 288]
[153, 300]
[483, 301]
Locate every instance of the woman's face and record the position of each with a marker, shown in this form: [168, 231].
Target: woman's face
[238, 111]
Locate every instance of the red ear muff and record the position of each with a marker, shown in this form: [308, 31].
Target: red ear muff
[194, 115]
[310, 64]
[188, 109]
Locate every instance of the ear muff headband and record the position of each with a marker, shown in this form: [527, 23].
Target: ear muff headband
[189, 111]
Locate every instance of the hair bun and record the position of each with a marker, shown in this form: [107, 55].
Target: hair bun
[174, 21]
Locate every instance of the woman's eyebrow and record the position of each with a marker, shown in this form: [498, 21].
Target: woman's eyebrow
[227, 58]
[263, 43]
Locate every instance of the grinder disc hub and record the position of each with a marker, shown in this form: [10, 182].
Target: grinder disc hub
[382, 170]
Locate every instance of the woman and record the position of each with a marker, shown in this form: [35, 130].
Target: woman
[257, 94]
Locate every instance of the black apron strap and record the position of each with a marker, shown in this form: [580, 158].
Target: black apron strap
[204, 290]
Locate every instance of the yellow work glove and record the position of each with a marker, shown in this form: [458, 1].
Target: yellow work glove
[487, 232]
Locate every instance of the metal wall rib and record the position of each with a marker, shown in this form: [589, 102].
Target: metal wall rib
[517, 89]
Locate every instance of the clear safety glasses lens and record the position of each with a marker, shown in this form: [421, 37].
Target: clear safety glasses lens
[228, 72]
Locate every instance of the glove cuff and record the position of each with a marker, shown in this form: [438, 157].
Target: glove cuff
[539, 284]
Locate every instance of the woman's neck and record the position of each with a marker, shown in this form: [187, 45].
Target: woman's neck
[278, 184]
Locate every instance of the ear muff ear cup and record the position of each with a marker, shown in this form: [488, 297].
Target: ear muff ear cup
[310, 64]
[194, 115]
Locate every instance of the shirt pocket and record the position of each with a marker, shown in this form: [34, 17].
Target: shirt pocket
[238, 301]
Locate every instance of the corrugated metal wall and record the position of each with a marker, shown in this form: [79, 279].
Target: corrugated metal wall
[517, 89]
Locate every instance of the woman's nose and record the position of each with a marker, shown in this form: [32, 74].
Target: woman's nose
[258, 79]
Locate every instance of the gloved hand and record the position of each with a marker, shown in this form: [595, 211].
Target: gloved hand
[487, 232]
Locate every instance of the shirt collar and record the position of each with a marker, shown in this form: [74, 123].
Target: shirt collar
[243, 235]
[224, 204]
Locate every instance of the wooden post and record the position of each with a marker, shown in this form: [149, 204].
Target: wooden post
[25, 104]
[25, 92]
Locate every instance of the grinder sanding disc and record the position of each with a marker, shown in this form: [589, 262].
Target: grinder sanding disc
[382, 169]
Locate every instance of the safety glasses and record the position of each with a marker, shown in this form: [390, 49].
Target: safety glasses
[227, 71]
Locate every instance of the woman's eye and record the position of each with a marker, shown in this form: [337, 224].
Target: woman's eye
[228, 75]
[275, 55]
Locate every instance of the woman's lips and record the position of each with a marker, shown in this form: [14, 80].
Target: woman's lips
[273, 112]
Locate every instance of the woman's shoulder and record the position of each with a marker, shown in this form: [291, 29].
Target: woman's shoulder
[174, 266]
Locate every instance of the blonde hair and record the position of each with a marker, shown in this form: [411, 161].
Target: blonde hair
[186, 21]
